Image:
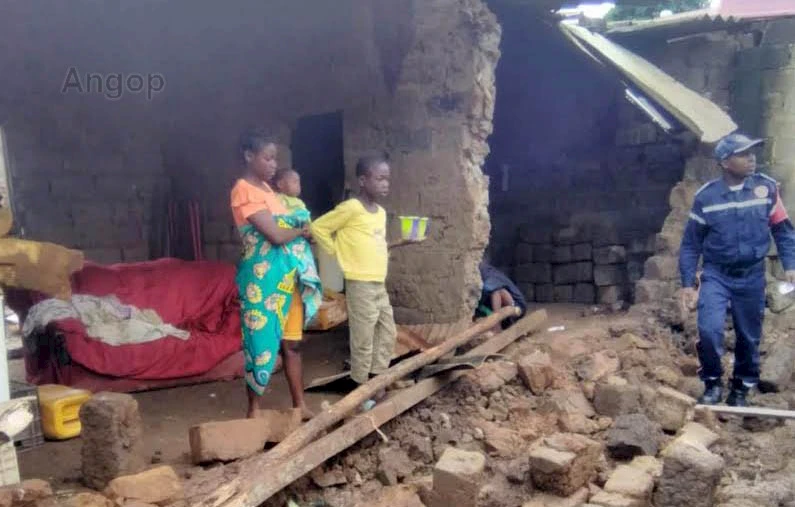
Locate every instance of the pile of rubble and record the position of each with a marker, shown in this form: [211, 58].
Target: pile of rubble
[602, 415]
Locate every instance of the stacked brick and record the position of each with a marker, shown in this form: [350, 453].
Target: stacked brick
[579, 265]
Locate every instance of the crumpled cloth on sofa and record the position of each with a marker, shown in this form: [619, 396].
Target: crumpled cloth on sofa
[105, 318]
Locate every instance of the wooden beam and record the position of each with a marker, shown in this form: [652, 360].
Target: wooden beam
[350, 403]
[749, 411]
[271, 476]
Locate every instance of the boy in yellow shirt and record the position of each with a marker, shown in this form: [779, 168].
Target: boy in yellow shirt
[355, 232]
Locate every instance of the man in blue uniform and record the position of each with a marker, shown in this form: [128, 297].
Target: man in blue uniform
[730, 227]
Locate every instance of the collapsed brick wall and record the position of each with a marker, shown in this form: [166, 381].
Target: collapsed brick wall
[586, 172]
[750, 72]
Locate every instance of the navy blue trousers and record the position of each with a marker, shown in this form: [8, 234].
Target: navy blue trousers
[746, 295]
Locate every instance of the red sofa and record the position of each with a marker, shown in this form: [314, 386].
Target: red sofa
[200, 297]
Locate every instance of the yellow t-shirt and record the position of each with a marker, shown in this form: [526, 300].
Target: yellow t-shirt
[357, 238]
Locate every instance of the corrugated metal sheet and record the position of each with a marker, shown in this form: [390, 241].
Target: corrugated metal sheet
[755, 9]
[718, 17]
[698, 114]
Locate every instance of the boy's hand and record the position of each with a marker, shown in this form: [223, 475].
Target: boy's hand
[306, 233]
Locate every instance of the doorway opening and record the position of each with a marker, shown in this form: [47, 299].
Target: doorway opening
[318, 155]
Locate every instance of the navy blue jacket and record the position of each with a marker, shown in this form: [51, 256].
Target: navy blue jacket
[494, 280]
[732, 229]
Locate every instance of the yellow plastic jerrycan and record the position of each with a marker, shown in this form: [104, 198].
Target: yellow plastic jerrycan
[60, 410]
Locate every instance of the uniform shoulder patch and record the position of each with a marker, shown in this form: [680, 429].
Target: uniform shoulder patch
[767, 178]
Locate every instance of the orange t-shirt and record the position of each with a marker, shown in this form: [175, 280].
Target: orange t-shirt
[247, 199]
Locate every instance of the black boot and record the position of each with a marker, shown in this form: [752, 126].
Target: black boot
[737, 396]
[713, 393]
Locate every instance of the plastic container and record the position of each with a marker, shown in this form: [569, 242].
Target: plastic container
[60, 410]
[32, 435]
[413, 228]
[331, 275]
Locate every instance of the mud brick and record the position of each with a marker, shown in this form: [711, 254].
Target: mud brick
[562, 254]
[615, 399]
[661, 267]
[569, 236]
[653, 291]
[536, 272]
[581, 252]
[630, 481]
[528, 291]
[32, 492]
[605, 499]
[648, 464]
[614, 254]
[777, 367]
[543, 253]
[610, 274]
[564, 293]
[642, 245]
[584, 293]
[227, 440]
[524, 253]
[697, 434]
[534, 235]
[280, 423]
[577, 499]
[633, 435]
[690, 475]
[156, 486]
[634, 270]
[596, 366]
[610, 294]
[458, 476]
[563, 463]
[536, 371]
[573, 273]
[545, 293]
[112, 438]
[671, 408]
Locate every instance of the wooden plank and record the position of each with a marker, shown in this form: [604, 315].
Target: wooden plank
[350, 403]
[700, 115]
[749, 411]
[274, 475]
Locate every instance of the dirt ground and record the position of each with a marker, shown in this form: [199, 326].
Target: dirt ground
[490, 411]
[169, 413]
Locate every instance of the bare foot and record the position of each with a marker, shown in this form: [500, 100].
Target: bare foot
[306, 413]
[254, 413]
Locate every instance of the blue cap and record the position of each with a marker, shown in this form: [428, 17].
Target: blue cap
[734, 144]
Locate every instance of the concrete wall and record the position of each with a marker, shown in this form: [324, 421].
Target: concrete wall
[412, 78]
